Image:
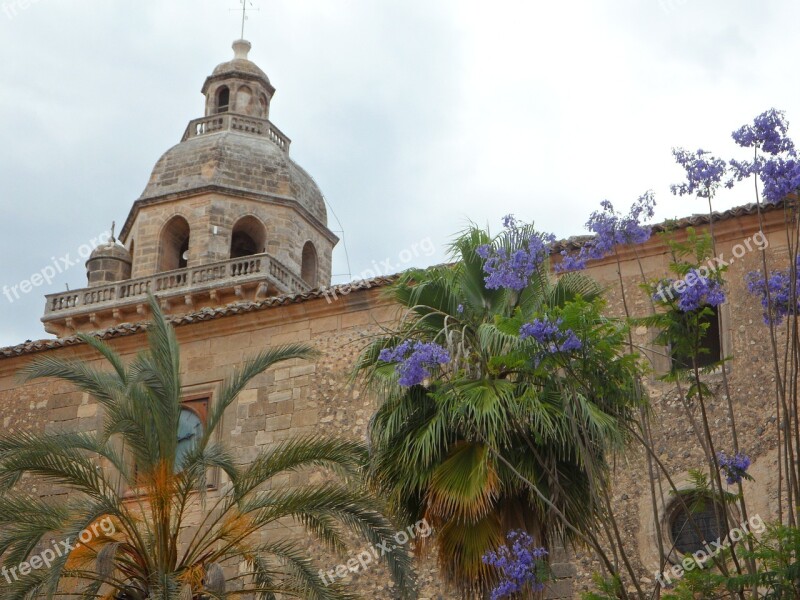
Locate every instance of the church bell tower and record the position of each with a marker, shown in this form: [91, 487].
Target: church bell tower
[227, 216]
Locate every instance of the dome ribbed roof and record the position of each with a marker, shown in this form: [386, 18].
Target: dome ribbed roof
[236, 161]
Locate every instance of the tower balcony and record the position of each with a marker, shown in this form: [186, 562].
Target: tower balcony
[180, 291]
[236, 122]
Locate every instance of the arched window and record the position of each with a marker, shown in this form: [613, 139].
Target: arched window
[308, 269]
[249, 236]
[223, 99]
[174, 246]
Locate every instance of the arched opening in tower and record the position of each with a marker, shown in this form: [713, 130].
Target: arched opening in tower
[249, 237]
[174, 245]
[223, 99]
[308, 270]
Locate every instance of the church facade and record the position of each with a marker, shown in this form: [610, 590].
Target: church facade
[231, 235]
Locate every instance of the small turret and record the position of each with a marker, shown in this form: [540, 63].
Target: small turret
[109, 263]
[239, 86]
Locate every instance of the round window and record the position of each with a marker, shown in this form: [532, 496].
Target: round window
[696, 524]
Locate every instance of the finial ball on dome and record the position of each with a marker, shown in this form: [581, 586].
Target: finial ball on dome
[241, 48]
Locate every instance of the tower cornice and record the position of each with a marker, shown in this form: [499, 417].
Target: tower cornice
[274, 199]
[239, 74]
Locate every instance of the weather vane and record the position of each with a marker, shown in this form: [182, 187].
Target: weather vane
[246, 5]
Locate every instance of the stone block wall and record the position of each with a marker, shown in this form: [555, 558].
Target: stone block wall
[751, 383]
[293, 399]
[316, 398]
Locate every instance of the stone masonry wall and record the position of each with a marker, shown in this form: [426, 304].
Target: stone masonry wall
[751, 382]
[316, 399]
[297, 398]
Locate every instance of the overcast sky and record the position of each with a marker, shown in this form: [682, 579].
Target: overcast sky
[414, 116]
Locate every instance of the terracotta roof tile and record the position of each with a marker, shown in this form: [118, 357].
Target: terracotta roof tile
[696, 220]
[205, 314]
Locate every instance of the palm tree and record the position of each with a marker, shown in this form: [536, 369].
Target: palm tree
[507, 435]
[155, 529]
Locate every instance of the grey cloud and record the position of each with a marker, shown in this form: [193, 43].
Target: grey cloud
[412, 115]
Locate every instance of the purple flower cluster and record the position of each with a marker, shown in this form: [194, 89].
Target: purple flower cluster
[767, 133]
[742, 169]
[781, 299]
[704, 173]
[550, 335]
[780, 177]
[780, 171]
[693, 292]
[572, 262]
[511, 263]
[611, 229]
[415, 360]
[520, 563]
[733, 467]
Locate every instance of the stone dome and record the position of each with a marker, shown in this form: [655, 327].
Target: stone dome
[108, 263]
[239, 65]
[110, 249]
[235, 161]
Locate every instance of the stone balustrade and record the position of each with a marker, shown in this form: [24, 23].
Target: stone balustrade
[181, 282]
[234, 122]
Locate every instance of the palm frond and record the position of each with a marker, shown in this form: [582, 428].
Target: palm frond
[345, 456]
